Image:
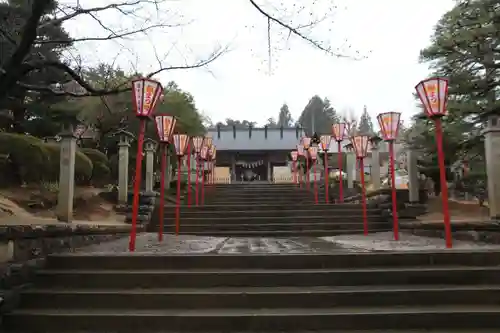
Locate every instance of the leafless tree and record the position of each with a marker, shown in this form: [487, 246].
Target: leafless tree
[20, 62]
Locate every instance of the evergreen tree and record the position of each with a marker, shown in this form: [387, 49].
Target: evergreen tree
[285, 117]
[365, 123]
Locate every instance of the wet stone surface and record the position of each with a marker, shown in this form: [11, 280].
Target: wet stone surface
[188, 244]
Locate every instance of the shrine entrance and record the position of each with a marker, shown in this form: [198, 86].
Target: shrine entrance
[251, 171]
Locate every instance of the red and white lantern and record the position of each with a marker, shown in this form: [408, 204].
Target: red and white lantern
[295, 155]
[325, 142]
[306, 142]
[338, 131]
[433, 94]
[198, 143]
[146, 93]
[313, 152]
[389, 125]
[165, 126]
[360, 145]
[180, 143]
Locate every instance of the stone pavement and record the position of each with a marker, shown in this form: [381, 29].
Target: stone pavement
[384, 241]
[189, 244]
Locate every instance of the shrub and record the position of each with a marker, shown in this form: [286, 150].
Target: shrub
[101, 170]
[28, 154]
[83, 164]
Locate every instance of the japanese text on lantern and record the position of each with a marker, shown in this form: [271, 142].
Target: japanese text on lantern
[389, 127]
[167, 123]
[431, 88]
[149, 91]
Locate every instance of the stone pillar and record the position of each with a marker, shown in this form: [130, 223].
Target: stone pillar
[123, 161]
[269, 175]
[375, 166]
[492, 152]
[233, 169]
[66, 176]
[149, 149]
[350, 168]
[413, 177]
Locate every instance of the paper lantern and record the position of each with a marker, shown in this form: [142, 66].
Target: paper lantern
[433, 94]
[389, 125]
[146, 93]
[165, 126]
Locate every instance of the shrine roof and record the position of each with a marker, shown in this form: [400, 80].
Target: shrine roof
[255, 138]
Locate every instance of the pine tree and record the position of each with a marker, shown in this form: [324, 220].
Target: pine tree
[365, 123]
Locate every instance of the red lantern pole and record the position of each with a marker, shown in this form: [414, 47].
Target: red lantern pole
[363, 195]
[162, 190]
[145, 94]
[294, 167]
[137, 185]
[178, 201]
[444, 185]
[308, 174]
[325, 145]
[341, 181]
[189, 174]
[197, 158]
[313, 152]
[395, 222]
[315, 184]
[360, 145]
[203, 185]
[389, 126]
[326, 177]
[433, 94]
[165, 125]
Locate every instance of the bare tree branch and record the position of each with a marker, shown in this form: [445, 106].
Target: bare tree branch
[296, 31]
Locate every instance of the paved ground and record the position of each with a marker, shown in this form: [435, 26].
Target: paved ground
[148, 243]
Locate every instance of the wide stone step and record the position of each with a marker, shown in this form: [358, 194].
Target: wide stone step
[278, 233]
[259, 298]
[271, 226]
[277, 200]
[484, 260]
[248, 219]
[251, 320]
[122, 279]
[242, 206]
[298, 211]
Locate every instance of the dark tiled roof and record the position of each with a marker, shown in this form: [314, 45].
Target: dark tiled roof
[255, 138]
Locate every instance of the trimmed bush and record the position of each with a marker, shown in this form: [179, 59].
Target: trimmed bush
[32, 160]
[83, 164]
[101, 171]
[26, 153]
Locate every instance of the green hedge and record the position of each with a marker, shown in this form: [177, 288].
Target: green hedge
[101, 171]
[36, 161]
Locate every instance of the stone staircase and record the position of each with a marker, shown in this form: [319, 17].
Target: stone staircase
[338, 292]
[270, 210]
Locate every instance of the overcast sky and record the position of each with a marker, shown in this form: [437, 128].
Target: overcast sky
[239, 85]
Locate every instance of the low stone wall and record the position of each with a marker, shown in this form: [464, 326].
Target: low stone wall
[475, 231]
[23, 250]
[147, 202]
[382, 199]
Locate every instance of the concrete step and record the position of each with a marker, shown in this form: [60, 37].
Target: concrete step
[259, 298]
[277, 233]
[307, 225]
[277, 200]
[251, 320]
[483, 260]
[297, 211]
[249, 219]
[243, 206]
[123, 279]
